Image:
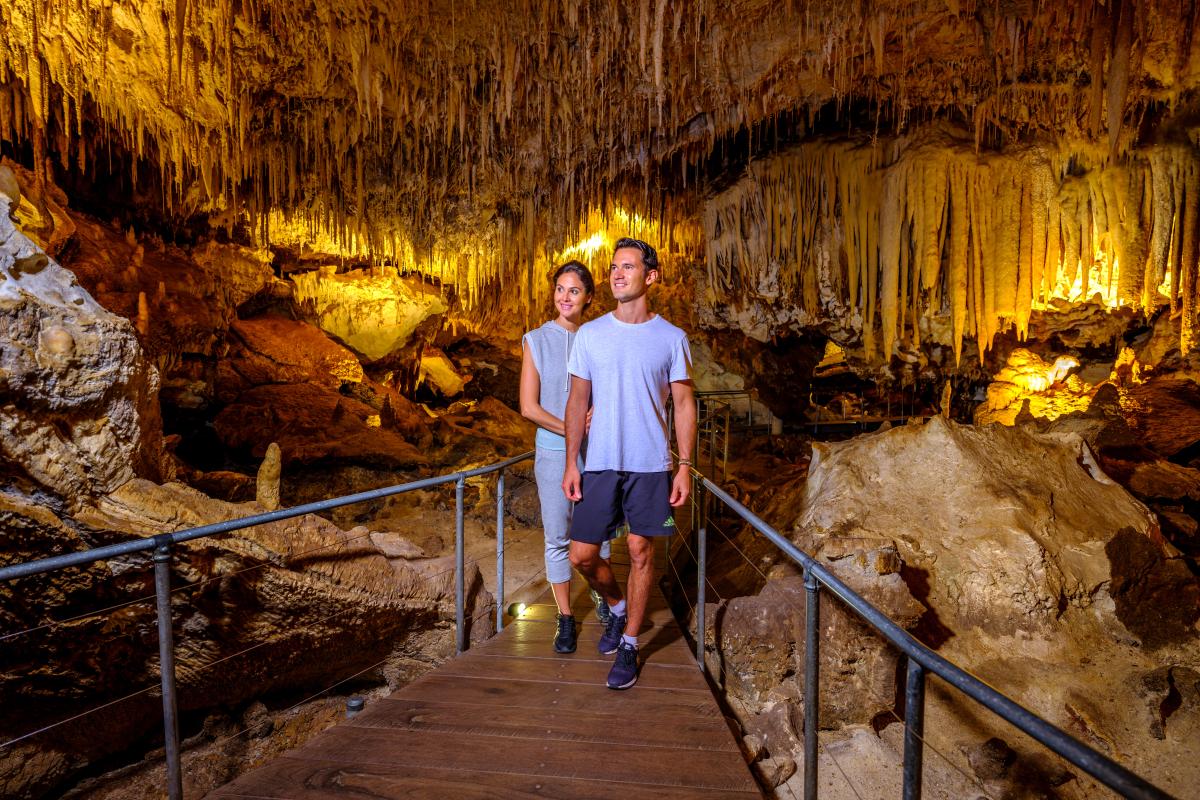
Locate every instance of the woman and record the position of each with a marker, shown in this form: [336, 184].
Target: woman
[545, 384]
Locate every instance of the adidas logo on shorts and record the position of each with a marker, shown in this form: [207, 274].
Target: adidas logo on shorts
[670, 523]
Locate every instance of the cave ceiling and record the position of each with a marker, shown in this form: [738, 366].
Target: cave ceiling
[493, 129]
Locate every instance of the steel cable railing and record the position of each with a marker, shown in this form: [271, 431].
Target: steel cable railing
[290, 558]
[920, 660]
[161, 546]
[692, 607]
[882, 702]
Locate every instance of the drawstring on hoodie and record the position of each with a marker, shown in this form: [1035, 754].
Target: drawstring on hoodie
[566, 359]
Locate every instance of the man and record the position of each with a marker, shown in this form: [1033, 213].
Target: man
[625, 364]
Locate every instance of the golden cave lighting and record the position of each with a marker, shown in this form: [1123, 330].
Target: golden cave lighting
[897, 230]
[1048, 391]
[1103, 277]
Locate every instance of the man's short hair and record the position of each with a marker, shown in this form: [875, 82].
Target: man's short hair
[649, 254]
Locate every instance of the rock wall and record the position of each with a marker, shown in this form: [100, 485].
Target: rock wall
[79, 405]
[1029, 561]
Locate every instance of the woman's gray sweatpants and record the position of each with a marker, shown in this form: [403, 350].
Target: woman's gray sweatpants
[548, 466]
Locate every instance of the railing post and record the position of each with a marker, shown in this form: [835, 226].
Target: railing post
[701, 568]
[166, 669]
[459, 567]
[500, 551]
[725, 453]
[812, 666]
[914, 729]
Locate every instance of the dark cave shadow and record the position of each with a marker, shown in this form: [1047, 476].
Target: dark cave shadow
[929, 630]
[663, 636]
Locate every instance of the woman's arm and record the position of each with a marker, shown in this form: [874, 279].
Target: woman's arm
[531, 391]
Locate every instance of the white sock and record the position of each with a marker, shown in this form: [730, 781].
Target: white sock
[619, 609]
[629, 640]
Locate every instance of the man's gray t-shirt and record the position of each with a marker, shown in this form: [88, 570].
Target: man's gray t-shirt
[631, 367]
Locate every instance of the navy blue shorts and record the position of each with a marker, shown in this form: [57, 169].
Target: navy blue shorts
[610, 497]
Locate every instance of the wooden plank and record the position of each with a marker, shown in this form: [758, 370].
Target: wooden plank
[656, 613]
[653, 675]
[666, 646]
[568, 698]
[297, 779]
[657, 623]
[513, 718]
[548, 723]
[659, 766]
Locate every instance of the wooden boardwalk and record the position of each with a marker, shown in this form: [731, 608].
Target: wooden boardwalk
[512, 718]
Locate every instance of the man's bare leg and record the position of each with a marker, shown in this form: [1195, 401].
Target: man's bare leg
[641, 579]
[596, 570]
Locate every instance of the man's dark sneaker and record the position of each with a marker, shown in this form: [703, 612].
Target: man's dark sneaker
[603, 612]
[612, 634]
[624, 672]
[564, 641]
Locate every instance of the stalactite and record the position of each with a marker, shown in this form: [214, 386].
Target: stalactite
[1164, 213]
[890, 223]
[959, 244]
[1189, 335]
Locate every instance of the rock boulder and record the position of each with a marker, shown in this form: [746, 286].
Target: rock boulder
[79, 414]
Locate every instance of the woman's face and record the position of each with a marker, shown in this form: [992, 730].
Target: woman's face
[570, 297]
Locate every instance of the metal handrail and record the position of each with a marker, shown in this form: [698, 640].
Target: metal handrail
[161, 545]
[920, 661]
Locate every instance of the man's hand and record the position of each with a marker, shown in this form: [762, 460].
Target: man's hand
[572, 484]
[681, 487]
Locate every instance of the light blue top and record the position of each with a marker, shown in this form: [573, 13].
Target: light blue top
[549, 347]
[631, 367]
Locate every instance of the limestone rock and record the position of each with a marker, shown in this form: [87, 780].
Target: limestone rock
[278, 606]
[276, 350]
[1028, 385]
[1165, 412]
[775, 770]
[267, 494]
[440, 374]
[759, 640]
[372, 311]
[79, 414]
[494, 366]
[1040, 575]
[311, 424]
[1009, 523]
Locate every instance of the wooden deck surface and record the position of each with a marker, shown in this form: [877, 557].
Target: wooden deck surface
[512, 718]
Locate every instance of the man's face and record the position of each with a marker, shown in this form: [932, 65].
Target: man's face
[627, 275]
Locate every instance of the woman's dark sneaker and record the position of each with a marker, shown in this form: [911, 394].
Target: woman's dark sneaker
[603, 612]
[624, 672]
[564, 641]
[612, 634]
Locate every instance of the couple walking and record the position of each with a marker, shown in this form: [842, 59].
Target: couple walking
[607, 383]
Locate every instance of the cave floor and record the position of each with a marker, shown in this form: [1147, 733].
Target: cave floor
[512, 717]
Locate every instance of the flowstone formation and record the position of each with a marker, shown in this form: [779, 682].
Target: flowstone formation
[1029, 561]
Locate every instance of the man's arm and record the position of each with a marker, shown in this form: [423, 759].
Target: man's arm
[575, 423]
[685, 438]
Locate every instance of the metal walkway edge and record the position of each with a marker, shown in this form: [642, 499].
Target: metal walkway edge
[511, 718]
